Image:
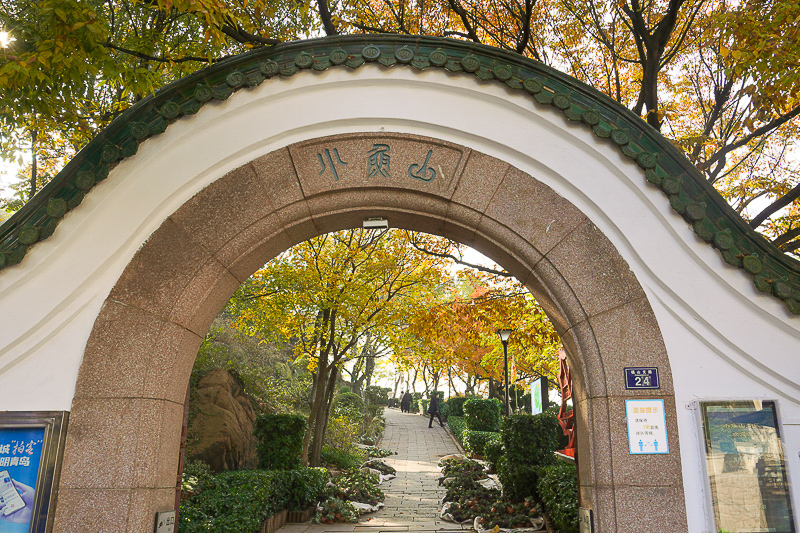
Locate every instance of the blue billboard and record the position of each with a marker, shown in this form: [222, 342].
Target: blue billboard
[20, 459]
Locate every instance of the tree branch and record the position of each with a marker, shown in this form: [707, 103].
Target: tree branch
[239, 34]
[458, 261]
[462, 13]
[781, 202]
[781, 240]
[791, 247]
[766, 128]
[142, 55]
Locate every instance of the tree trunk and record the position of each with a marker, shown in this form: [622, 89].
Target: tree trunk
[323, 417]
[397, 383]
[318, 383]
[369, 370]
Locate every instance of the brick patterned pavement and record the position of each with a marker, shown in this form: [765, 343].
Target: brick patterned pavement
[412, 498]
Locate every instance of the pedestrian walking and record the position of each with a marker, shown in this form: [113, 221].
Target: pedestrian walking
[407, 399]
[433, 409]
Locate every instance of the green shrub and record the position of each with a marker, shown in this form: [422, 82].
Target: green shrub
[373, 427]
[356, 486]
[558, 488]
[374, 410]
[342, 433]
[376, 395]
[493, 451]
[344, 460]
[457, 427]
[348, 405]
[528, 443]
[304, 487]
[196, 476]
[481, 415]
[380, 466]
[424, 403]
[457, 467]
[280, 440]
[475, 441]
[415, 401]
[455, 405]
[234, 502]
[336, 510]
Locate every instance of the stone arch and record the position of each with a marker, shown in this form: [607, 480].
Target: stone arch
[153, 320]
[649, 260]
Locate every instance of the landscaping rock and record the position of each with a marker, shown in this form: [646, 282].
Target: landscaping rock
[221, 430]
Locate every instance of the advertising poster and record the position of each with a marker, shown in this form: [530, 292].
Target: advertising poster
[20, 458]
[744, 458]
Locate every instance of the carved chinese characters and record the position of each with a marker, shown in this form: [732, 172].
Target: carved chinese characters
[380, 160]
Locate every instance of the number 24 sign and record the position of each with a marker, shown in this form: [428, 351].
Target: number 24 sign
[639, 377]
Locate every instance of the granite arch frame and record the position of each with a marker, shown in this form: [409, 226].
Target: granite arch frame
[153, 320]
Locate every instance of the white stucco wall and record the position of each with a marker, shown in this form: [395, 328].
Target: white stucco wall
[725, 340]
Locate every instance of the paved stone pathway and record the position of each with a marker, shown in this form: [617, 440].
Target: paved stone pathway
[412, 498]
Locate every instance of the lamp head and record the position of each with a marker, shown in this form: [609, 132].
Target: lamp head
[504, 334]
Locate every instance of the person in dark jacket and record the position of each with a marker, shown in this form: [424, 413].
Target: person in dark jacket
[407, 399]
[403, 403]
[433, 409]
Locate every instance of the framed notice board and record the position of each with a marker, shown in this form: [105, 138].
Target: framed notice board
[746, 469]
[31, 446]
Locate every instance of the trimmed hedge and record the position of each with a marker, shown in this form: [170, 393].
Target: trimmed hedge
[475, 441]
[481, 415]
[457, 427]
[528, 442]
[558, 488]
[239, 502]
[280, 440]
[493, 452]
[455, 405]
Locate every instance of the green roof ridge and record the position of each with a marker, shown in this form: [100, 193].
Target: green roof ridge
[663, 165]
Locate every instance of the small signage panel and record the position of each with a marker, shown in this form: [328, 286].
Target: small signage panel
[539, 393]
[585, 520]
[165, 522]
[647, 427]
[641, 377]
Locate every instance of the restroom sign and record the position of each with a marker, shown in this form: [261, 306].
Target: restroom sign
[641, 377]
[647, 427]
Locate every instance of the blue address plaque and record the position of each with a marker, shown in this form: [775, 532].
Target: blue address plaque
[641, 377]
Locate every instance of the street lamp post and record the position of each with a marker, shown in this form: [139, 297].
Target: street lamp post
[504, 335]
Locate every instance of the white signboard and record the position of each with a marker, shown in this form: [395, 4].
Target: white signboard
[647, 427]
[536, 397]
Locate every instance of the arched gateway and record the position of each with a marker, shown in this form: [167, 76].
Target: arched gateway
[636, 260]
